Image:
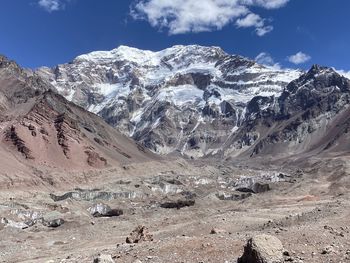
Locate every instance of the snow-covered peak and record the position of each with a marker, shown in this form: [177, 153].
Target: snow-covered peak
[192, 87]
[172, 55]
[192, 50]
[119, 54]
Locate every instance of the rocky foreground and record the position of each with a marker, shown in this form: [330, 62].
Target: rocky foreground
[187, 213]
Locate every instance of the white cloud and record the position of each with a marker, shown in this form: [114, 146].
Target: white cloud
[267, 60]
[184, 16]
[254, 20]
[262, 31]
[264, 58]
[268, 4]
[299, 58]
[343, 73]
[51, 5]
[250, 20]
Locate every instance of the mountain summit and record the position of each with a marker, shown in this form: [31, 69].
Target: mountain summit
[187, 99]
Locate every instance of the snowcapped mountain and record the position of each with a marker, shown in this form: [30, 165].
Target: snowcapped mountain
[187, 99]
[310, 118]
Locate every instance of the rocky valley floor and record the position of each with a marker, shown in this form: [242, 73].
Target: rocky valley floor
[197, 212]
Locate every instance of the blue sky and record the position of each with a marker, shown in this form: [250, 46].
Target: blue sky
[293, 33]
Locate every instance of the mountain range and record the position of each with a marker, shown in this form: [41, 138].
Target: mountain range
[199, 101]
[173, 156]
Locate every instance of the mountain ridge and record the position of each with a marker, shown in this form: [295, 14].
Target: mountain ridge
[139, 92]
[41, 131]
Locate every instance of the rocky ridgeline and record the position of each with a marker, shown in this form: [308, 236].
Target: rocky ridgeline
[187, 99]
[200, 101]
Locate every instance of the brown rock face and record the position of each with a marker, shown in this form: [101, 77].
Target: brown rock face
[12, 137]
[262, 249]
[40, 129]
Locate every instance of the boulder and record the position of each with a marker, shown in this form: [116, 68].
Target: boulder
[177, 204]
[255, 188]
[104, 259]
[10, 223]
[262, 249]
[55, 223]
[53, 219]
[102, 210]
[138, 235]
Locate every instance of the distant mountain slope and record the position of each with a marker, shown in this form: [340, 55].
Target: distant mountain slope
[310, 117]
[186, 99]
[41, 128]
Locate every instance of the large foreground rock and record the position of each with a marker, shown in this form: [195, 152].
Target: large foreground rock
[262, 249]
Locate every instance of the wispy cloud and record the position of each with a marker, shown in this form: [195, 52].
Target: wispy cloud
[51, 5]
[250, 20]
[254, 20]
[266, 59]
[299, 58]
[262, 31]
[268, 4]
[184, 16]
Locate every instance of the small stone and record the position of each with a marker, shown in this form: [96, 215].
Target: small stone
[213, 231]
[327, 250]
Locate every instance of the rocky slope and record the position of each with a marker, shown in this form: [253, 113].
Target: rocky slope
[311, 116]
[187, 99]
[40, 128]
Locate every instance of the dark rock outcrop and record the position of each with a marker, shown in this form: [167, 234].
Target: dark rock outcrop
[12, 136]
[255, 188]
[177, 204]
[139, 234]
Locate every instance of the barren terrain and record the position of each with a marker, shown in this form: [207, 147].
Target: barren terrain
[307, 210]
